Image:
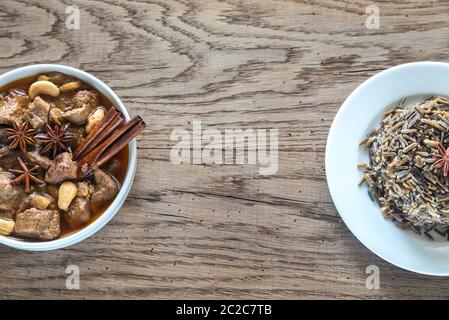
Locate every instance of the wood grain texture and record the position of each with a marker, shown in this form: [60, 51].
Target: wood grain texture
[196, 231]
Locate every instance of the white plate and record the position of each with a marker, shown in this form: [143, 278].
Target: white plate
[359, 114]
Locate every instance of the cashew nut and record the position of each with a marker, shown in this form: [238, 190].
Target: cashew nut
[67, 192]
[43, 87]
[6, 226]
[95, 117]
[70, 86]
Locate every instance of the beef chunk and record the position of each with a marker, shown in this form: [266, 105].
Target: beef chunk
[77, 116]
[85, 98]
[38, 113]
[85, 189]
[106, 186]
[35, 158]
[3, 137]
[79, 213]
[113, 167]
[13, 108]
[4, 151]
[53, 190]
[63, 168]
[38, 224]
[84, 102]
[64, 101]
[8, 158]
[7, 215]
[10, 195]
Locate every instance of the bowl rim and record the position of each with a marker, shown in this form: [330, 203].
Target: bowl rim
[114, 207]
[331, 136]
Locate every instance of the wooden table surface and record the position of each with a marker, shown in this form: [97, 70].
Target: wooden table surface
[222, 231]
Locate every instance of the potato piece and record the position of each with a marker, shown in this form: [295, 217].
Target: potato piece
[36, 200]
[67, 192]
[41, 201]
[6, 226]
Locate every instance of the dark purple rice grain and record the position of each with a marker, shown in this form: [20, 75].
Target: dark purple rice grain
[370, 195]
[417, 230]
[444, 197]
[395, 209]
[378, 192]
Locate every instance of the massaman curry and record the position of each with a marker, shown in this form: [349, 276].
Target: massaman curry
[63, 156]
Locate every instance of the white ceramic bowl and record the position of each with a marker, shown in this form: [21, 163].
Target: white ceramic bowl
[96, 225]
[359, 114]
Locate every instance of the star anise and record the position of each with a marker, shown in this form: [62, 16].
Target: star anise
[26, 175]
[55, 138]
[20, 135]
[443, 160]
